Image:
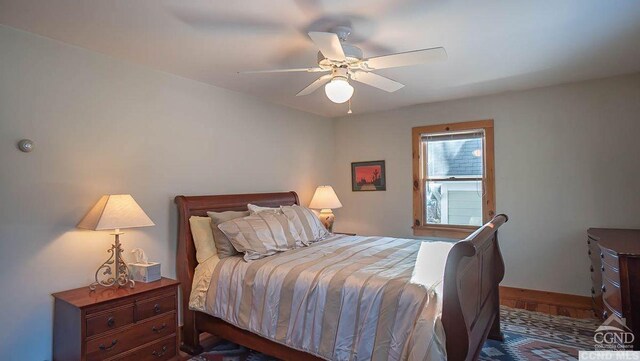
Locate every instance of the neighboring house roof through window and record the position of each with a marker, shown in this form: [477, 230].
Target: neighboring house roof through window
[450, 158]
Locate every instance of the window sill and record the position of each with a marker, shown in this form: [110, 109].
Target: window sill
[460, 232]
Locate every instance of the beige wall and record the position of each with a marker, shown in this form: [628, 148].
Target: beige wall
[567, 158]
[103, 126]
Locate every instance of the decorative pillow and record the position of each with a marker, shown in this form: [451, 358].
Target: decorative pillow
[307, 224]
[202, 237]
[253, 209]
[223, 244]
[262, 234]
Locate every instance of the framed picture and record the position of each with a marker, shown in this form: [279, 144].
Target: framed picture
[368, 176]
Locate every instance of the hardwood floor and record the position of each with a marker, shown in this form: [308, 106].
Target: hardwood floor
[552, 303]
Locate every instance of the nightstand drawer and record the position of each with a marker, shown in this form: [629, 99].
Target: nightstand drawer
[109, 320]
[155, 306]
[162, 350]
[117, 342]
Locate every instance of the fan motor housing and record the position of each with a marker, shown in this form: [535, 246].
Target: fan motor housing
[352, 52]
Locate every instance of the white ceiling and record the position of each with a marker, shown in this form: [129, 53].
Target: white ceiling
[493, 46]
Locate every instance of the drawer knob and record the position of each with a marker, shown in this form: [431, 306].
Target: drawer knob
[160, 353]
[159, 329]
[111, 321]
[107, 348]
[589, 252]
[591, 268]
[602, 268]
[156, 308]
[604, 289]
[593, 291]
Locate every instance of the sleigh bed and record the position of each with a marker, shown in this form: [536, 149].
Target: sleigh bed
[468, 311]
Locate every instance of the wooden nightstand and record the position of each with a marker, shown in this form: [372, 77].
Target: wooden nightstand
[138, 323]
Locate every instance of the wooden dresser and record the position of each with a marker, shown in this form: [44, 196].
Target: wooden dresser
[138, 323]
[615, 273]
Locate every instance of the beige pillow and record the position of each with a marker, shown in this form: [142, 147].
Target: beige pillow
[223, 245]
[253, 209]
[307, 224]
[202, 237]
[261, 234]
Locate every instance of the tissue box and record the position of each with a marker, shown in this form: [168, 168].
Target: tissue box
[141, 272]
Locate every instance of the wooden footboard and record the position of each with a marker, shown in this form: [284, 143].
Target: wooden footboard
[471, 302]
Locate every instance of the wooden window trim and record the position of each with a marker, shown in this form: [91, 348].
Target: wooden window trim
[488, 207]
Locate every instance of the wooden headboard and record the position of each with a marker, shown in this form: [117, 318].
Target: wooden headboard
[198, 206]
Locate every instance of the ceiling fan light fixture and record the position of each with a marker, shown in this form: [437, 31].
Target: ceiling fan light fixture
[338, 90]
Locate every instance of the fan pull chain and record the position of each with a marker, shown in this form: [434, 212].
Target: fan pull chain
[349, 111]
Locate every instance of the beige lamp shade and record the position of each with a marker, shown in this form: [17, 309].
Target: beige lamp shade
[114, 212]
[325, 198]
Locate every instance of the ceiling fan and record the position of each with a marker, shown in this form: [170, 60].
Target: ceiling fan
[345, 62]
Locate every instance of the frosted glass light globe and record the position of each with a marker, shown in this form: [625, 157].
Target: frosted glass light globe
[338, 90]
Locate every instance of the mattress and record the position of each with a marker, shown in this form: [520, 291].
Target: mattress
[344, 298]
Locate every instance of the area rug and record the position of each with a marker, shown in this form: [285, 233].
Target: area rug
[539, 336]
[528, 336]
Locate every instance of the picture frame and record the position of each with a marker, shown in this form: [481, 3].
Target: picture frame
[368, 176]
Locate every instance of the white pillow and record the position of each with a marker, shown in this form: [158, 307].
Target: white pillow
[202, 237]
[262, 234]
[308, 226]
[253, 209]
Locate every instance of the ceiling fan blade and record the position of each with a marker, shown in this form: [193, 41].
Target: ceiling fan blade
[376, 81]
[415, 57]
[315, 85]
[293, 70]
[329, 45]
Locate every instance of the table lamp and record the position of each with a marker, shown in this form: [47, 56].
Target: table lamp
[114, 212]
[325, 199]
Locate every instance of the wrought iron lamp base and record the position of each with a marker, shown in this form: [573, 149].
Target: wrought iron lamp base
[105, 274]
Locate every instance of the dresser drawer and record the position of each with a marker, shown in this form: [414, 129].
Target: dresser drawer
[109, 320]
[162, 350]
[593, 250]
[114, 343]
[155, 306]
[608, 311]
[610, 259]
[611, 295]
[611, 273]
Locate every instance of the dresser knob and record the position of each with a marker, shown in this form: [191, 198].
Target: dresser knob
[107, 348]
[591, 268]
[161, 352]
[588, 241]
[111, 321]
[159, 329]
[589, 252]
[604, 289]
[156, 308]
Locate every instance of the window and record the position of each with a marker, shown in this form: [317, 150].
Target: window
[453, 181]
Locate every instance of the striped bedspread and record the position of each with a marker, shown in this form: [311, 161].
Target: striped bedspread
[344, 298]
